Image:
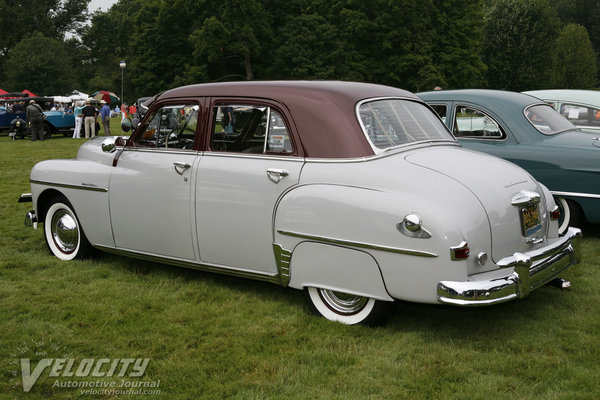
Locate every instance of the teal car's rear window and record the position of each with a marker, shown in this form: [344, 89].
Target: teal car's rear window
[546, 120]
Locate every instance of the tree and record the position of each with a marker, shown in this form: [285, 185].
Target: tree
[232, 37]
[37, 63]
[52, 18]
[519, 37]
[457, 43]
[575, 60]
[103, 45]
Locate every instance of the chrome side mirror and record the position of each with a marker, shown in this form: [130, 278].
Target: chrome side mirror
[108, 145]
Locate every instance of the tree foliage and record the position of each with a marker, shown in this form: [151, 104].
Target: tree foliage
[519, 38]
[413, 44]
[38, 63]
[574, 60]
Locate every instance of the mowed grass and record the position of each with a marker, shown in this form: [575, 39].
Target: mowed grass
[210, 336]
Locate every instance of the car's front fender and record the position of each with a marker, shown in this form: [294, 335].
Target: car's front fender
[85, 185]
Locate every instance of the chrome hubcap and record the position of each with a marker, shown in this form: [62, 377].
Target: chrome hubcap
[64, 231]
[343, 303]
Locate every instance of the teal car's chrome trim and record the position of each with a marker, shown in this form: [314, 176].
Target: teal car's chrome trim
[361, 245]
[575, 194]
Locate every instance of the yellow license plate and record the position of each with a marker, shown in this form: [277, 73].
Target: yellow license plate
[530, 220]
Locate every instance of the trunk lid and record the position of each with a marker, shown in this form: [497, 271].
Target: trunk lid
[499, 186]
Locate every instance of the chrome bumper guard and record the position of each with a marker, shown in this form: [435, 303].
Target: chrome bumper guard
[31, 219]
[531, 270]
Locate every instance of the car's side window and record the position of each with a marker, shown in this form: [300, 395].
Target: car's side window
[170, 127]
[254, 129]
[472, 123]
[441, 110]
[580, 115]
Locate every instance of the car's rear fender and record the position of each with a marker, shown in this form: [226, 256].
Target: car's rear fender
[336, 268]
[319, 220]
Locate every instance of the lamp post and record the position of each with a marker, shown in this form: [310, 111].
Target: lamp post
[122, 64]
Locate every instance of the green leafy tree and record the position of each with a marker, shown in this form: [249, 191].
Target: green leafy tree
[457, 43]
[232, 37]
[37, 63]
[52, 18]
[575, 60]
[103, 45]
[160, 48]
[519, 37]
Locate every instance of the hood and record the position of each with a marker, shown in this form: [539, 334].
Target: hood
[495, 183]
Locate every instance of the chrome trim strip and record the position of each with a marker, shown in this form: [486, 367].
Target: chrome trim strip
[250, 155]
[160, 150]
[575, 194]
[390, 152]
[206, 267]
[362, 245]
[78, 187]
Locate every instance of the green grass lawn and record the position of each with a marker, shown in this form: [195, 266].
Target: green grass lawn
[212, 337]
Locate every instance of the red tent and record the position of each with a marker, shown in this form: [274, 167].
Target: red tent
[2, 91]
[31, 94]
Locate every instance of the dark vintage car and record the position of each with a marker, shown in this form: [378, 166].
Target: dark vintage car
[530, 133]
[355, 193]
[54, 121]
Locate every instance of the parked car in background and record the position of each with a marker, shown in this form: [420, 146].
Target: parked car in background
[54, 121]
[7, 117]
[581, 107]
[530, 133]
[356, 193]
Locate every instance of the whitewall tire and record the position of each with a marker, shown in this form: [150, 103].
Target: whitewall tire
[346, 308]
[569, 214]
[63, 233]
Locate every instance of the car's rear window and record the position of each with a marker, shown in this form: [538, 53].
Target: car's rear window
[392, 122]
[547, 120]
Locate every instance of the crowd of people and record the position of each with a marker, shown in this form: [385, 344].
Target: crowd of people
[88, 118]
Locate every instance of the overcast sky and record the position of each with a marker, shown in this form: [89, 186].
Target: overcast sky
[101, 4]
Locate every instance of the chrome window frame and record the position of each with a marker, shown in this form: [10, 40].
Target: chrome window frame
[502, 138]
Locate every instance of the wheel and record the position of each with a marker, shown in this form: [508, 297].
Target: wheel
[63, 233]
[569, 214]
[46, 131]
[346, 308]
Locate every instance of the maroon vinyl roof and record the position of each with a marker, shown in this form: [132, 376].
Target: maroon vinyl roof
[324, 112]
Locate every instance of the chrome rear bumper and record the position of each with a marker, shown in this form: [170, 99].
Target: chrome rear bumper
[530, 271]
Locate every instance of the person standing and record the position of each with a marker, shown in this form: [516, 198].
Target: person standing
[105, 117]
[35, 120]
[89, 119]
[78, 119]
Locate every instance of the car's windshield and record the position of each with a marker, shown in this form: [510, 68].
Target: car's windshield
[393, 122]
[547, 120]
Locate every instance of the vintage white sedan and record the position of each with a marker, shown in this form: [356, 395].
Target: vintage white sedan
[356, 193]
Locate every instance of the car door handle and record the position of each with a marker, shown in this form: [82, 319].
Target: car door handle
[180, 167]
[275, 174]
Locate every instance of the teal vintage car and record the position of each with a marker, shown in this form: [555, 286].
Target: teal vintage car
[581, 107]
[530, 133]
